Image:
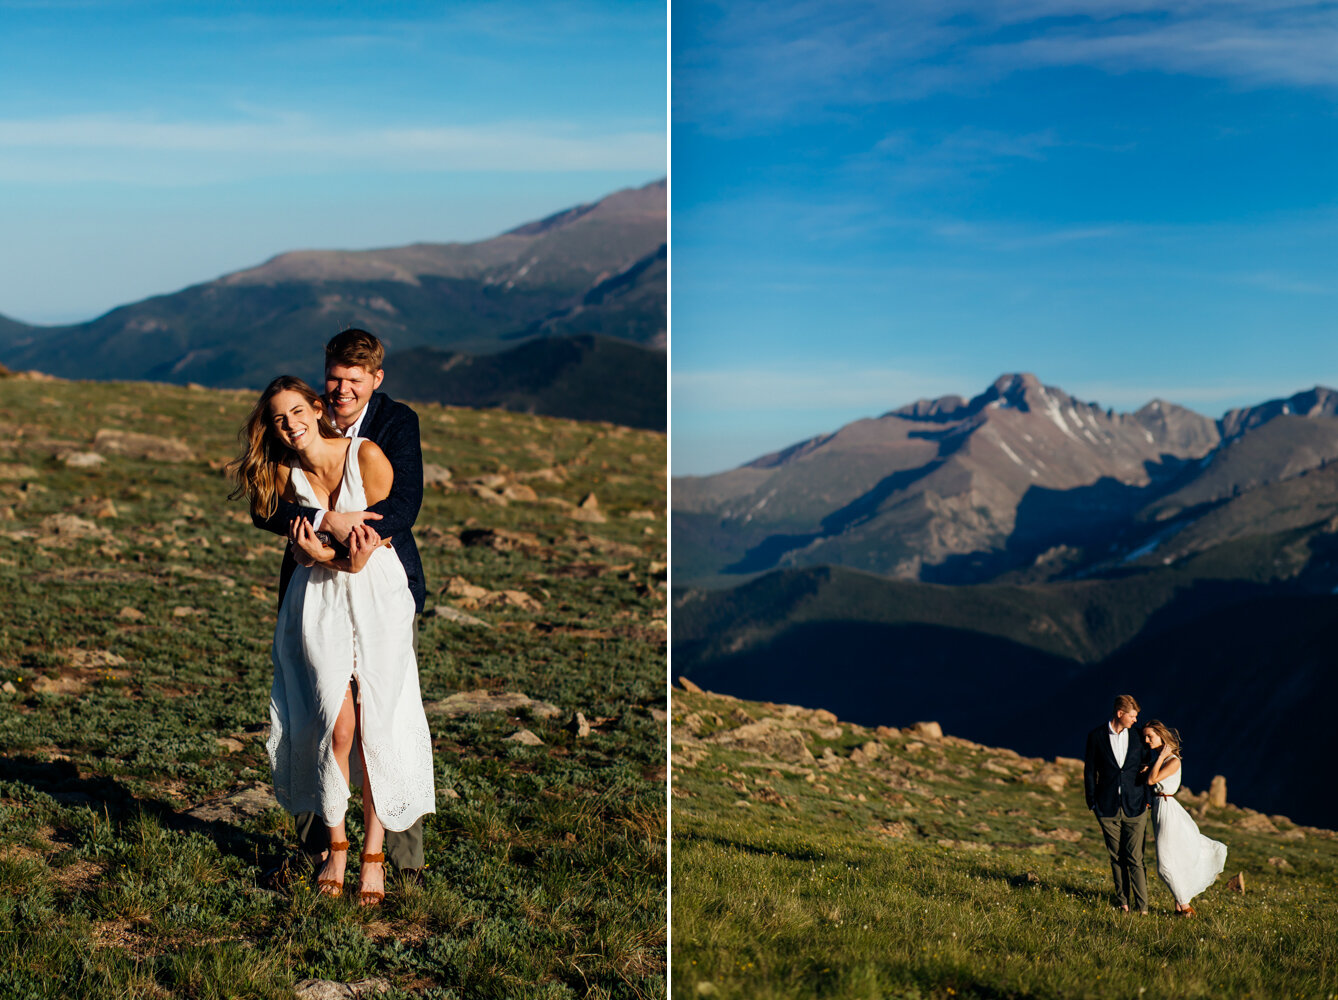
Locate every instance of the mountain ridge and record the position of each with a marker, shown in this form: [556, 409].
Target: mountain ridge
[548, 278]
[959, 491]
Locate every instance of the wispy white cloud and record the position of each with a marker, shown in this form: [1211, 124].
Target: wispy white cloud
[123, 148]
[1285, 284]
[862, 390]
[758, 62]
[1212, 398]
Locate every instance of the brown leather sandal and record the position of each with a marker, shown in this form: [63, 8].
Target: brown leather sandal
[329, 886]
[372, 897]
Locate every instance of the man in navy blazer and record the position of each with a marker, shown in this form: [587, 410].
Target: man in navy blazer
[353, 373]
[1114, 780]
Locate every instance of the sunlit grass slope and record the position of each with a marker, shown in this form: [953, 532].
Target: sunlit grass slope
[814, 858]
[134, 656]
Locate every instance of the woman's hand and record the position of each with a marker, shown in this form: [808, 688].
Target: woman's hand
[307, 548]
[362, 542]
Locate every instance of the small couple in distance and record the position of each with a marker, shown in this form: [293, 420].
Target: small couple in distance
[1126, 769]
[342, 476]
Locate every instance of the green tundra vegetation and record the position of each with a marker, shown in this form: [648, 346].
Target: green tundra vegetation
[137, 824]
[815, 858]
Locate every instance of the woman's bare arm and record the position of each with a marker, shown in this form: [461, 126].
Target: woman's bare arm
[1165, 766]
[377, 474]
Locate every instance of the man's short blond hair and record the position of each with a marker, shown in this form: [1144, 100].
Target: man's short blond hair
[1126, 703]
[354, 348]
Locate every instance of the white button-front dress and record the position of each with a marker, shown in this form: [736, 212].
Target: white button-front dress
[335, 627]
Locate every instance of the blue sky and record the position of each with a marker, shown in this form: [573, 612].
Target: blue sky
[877, 202]
[146, 146]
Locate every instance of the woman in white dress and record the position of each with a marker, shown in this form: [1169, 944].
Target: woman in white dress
[345, 675]
[1187, 861]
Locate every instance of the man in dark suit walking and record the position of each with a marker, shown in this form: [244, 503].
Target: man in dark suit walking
[1113, 779]
[353, 373]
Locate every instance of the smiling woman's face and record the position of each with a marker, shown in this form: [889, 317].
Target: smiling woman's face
[295, 422]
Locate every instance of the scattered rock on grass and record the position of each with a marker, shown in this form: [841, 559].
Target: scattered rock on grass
[472, 702]
[132, 445]
[1217, 792]
[328, 989]
[43, 684]
[578, 726]
[82, 459]
[1237, 883]
[588, 510]
[134, 614]
[435, 475]
[524, 736]
[86, 659]
[1052, 777]
[247, 802]
[458, 617]
[687, 685]
[60, 531]
[1257, 823]
[500, 539]
[1282, 863]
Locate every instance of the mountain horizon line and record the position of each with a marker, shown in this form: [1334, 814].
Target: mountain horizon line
[1011, 389]
[254, 273]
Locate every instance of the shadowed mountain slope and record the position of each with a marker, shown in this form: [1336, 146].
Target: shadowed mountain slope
[581, 378]
[1237, 639]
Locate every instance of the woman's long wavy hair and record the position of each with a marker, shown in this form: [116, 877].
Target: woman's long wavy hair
[256, 469]
[1169, 736]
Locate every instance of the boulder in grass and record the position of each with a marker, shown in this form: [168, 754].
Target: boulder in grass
[1237, 883]
[329, 989]
[247, 802]
[1257, 823]
[478, 701]
[688, 685]
[147, 446]
[927, 730]
[1217, 792]
[524, 736]
[82, 459]
[458, 617]
[436, 475]
[1052, 777]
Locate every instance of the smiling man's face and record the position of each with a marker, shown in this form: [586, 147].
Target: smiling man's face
[347, 390]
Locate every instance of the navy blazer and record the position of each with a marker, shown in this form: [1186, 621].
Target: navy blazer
[394, 427]
[1110, 787]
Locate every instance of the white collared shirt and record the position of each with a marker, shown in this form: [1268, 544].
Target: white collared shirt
[352, 431]
[355, 427]
[1119, 742]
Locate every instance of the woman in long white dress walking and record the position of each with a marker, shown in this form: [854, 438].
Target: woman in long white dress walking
[345, 674]
[1187, 861]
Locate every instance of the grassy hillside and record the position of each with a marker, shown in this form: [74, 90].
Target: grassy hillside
[817, 858]
[136, 822]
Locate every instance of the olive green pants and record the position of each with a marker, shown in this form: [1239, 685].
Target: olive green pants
[1124, 837]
